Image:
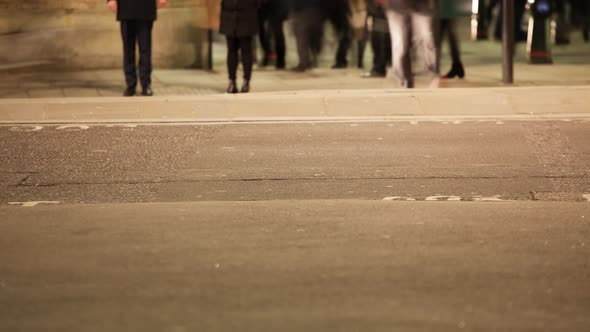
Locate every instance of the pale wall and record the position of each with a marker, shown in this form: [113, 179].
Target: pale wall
[83, 34]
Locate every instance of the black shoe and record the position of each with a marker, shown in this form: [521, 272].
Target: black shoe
[586, 35]
[129, 92]
[147, 91]
[456, 70]
[280, 65]
[245, 87]
[339, 65]
[232, 87]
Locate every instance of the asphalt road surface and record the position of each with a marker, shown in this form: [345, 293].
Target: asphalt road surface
[350, 226]
[518, 160]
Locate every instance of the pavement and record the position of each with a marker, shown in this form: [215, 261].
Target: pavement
[482, 60]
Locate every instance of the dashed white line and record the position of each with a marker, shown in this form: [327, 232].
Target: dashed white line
[443, 198]
[33, 203]
[496, 198]
[399, 198]
[26, 128]
[72, 128]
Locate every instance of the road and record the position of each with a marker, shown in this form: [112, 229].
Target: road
[514, 160]
[342, 226]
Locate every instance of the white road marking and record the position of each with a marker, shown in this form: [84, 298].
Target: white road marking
[443, 198]
[495, 198]
[587, 197]
[399, 198]
[72, 128]
[413, 122]
[457, 122]
[26, 128]
[32, 204]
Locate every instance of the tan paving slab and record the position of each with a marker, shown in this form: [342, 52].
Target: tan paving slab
[328, 104]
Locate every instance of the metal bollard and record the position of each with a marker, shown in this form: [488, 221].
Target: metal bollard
[539, 32]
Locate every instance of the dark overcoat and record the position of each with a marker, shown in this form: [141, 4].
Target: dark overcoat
[145, 10]
[239, 18]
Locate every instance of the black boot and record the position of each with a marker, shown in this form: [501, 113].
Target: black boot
[246, 87]
[129, 91]
[456, 70]
[232, 87]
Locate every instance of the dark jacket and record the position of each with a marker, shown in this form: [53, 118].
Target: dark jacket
[297, 5]
[239, 18]
[276, 9]
[410, 5]
[136, 10]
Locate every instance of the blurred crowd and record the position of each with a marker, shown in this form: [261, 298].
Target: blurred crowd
[392, 28]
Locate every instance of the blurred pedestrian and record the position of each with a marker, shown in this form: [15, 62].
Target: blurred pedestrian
[581, 16]
[271, 18]
[239, 24]
[380, 39]
[448, 12]
[412, 20]
[137, 18]
[338, 13]
[306, 17]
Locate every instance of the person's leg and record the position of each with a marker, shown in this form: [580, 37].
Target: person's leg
[129, 36]
[232, 62]
[342, 28]
[423, 29]
[448, 28]
[247, 55]
[232, 56]
[300, 27]
[263, 35]
[399, 26]
[144, 37]
[378, 46]
[276, 25]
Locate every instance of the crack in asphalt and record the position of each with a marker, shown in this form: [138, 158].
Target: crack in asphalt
[23, 183]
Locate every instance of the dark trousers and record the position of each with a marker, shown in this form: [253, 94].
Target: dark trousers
[448, 29]
[380, 44]
[339, 21]
[137, 32]
[240, 47]
[271, 28]
[307, 27]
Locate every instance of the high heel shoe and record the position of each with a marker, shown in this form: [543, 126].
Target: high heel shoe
[456, 70]
[232, 87]
[246, 87]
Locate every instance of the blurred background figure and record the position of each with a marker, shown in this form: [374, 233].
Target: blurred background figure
[448, 13]
[239, 24]
[338, 13]
[412, 20]
[306, 18]
[579, 17]
[271, 17]
[137, 20]
[380, 38]
[581, 13]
